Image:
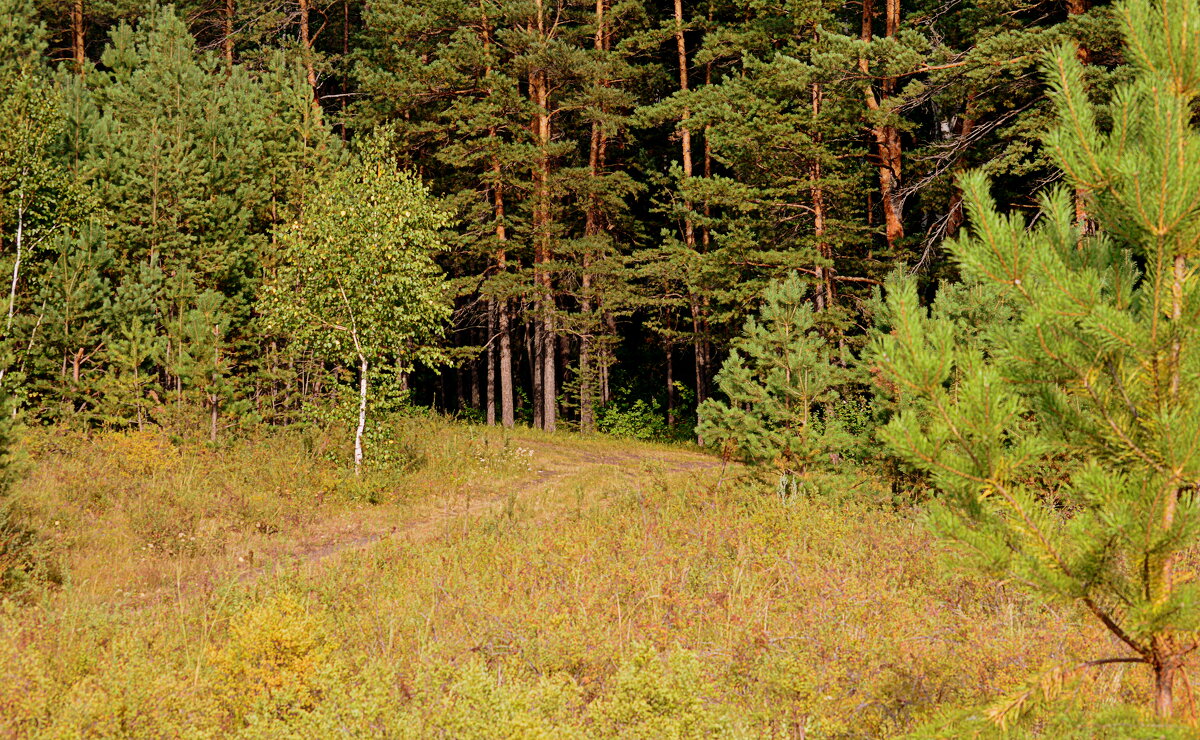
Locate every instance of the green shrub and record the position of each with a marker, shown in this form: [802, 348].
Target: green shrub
[658, 700]
[637, 420]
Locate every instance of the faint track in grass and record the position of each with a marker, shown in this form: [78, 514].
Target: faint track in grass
[567, 460]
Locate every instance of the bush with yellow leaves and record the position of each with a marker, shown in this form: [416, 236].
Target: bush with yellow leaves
[276, 660]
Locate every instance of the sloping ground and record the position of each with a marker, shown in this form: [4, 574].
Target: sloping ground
[137, 518]
[552, 463]
[510, 584]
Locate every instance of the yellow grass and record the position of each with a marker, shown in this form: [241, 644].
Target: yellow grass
[506, 584]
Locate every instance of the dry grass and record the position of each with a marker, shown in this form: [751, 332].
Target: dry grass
[590, 589]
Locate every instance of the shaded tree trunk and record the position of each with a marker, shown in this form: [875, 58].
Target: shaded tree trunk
[490, 358]
[689, 227]
[593, 226]
[503, 323]
[670, 387]
[886, 137]
[306, 47]
[227, 42]
[78, 49]
[824, 271]
[539, 93]
[503, 327]
[957, 216]
[533, 350]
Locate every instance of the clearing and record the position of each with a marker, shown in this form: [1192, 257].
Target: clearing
[488, 583]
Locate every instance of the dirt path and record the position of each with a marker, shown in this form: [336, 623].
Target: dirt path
[556, 462]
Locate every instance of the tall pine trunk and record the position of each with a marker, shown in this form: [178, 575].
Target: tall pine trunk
[78, 50]
[533, 350]
[825, 297]
[670, 387]
[689, 226]
[593, 227]
[504, 327]
[886, 137]
[490, 358]
[306, 47]
[539, 92]
[500, 307]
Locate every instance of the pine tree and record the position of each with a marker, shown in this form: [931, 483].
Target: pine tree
[1065, 443]
[75, 303]
[780, 382]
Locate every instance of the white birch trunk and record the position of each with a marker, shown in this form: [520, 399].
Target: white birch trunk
[362, 415]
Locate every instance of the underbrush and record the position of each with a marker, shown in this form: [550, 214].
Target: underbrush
[623, 600]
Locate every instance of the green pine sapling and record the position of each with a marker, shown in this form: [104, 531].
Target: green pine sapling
[777, 379]
[1096, 376]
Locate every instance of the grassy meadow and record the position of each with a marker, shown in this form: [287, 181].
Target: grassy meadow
[484, 583]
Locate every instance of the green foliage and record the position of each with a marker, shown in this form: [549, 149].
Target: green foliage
[656, 698]
[274, 661]
[357, 278]
[469, 703]
[781, 381]
[636, 419]
[1096, 372]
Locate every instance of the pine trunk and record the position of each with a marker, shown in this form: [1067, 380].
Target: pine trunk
[476, 382]
[539, 92]
[592, 228]
[886, 137]
[957, 216]
[670, 387]
[460, 388]
[533, 349]
[500, 309]
[824, 270]
[227, 42]
[689, 227]
[549, 360]
[504, 324]
[78, 49]
[490, 358]
[306, 47]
